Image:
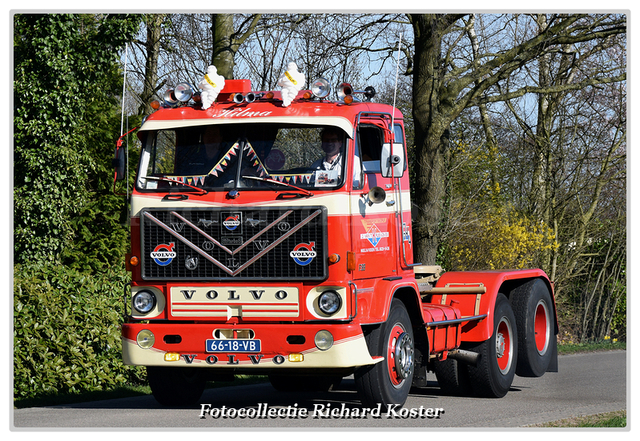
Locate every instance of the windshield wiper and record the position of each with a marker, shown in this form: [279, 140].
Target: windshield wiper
[304, 192]
[202, 191]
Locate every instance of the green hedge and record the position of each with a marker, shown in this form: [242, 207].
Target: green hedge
[67, 331]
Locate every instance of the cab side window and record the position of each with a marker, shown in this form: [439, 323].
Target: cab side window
[368, 149]
[371, 139]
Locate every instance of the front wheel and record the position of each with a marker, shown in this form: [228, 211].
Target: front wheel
[308, 383]
[176, 386]
[388, 382]
[493, 375]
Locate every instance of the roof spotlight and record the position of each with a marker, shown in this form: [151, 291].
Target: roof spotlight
[170, 98]
[183, 92]
[320, 88]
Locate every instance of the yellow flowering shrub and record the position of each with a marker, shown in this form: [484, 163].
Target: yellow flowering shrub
[499, 239]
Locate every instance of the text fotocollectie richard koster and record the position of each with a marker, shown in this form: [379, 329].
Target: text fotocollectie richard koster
[319, 411]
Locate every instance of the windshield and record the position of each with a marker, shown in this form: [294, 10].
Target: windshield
[220, 157]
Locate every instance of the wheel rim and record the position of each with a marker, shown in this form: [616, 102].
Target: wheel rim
[504, 345]
[399, 355]
[542, 327]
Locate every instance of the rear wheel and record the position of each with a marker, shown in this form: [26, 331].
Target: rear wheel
[174, 386]
[452, 377]
[493, 375]
[389, 381]
[533, 311]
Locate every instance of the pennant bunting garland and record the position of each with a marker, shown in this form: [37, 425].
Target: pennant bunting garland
[189, 180]
[221, 165]
[295, 179]
[255, 161]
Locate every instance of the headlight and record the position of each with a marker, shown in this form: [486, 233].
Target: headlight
[329, 302]
[144, 301]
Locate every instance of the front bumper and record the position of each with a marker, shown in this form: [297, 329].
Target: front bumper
[283, 346]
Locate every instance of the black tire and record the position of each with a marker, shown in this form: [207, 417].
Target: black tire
[304, 383]
[176, 386]
[493, 375]
[452, 377]
[533, 310]
[389, 381]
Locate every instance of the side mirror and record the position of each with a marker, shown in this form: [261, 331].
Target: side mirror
[392, 165]
[119, 163]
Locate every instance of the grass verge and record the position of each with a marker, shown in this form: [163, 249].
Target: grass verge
[607, 345]
[610, 419]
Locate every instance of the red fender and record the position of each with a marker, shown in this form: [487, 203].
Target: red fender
[374, 302]
[478, 304]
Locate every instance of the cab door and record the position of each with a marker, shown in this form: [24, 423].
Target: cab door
[373, 218]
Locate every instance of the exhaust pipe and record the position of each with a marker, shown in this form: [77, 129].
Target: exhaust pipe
[464, 356]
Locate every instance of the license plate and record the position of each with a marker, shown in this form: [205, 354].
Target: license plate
[235, 345]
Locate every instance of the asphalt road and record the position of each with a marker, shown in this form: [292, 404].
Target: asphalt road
[586, 384]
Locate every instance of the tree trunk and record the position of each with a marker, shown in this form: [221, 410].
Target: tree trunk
[542, 142]
[431, 135]
[152, 45]
[223, 53]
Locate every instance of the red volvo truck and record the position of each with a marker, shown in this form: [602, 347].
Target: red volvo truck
[276, 239]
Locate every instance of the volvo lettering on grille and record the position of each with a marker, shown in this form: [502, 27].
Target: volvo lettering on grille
[247, 302]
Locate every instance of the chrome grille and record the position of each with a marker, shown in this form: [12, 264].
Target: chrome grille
[238, 244]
